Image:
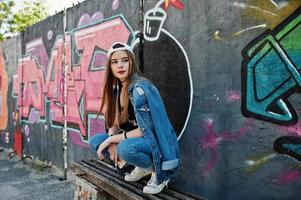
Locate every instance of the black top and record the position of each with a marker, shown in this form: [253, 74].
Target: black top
[131, 124]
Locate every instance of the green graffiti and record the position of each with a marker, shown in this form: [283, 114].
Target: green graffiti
[271, 72]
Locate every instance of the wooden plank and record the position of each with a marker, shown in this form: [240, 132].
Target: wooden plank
[139, 184]
[121, 182]
[86, 190]
[108, 172]
[167, 193]
[105, 184]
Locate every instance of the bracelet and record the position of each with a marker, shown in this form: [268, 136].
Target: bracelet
[124, 135]
[113, 134]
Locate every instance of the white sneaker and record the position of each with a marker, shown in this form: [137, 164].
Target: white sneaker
[153, 187]
[137, 174]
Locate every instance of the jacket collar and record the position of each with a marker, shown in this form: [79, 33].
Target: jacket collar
[135, 78]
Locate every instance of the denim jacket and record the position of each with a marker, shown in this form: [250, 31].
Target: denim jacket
[155, 125]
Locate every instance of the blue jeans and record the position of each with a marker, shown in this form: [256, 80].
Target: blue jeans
[135, 151]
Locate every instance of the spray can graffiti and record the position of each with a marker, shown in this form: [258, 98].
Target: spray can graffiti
[271, 72]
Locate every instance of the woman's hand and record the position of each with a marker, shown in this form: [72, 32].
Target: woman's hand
[101, 147]
[113, 153]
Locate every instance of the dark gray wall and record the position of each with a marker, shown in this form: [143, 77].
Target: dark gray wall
[228, 73]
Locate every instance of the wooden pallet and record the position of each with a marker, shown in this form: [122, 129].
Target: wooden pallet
[107, 179]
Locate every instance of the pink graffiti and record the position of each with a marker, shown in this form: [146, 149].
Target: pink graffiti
[211, 140]
[96, 127]
[34, 117]
[36, 48]
[233, 96]
[115, 4]
[28, 86]
[33, 83]
[87, 87]
[53, 89]
[288, 177]
[76, 139]
[50, 35]
[86, 19]
[3, 93]
[26, 130]
[291, 130]
[294, 130]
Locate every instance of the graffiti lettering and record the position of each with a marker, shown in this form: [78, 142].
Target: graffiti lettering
[289, 145]
[84, 75]
[270, 72]
[28, 86]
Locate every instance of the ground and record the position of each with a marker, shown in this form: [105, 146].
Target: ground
[30, 180]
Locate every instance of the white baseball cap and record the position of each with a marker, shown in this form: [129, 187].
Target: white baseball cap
[119, 46]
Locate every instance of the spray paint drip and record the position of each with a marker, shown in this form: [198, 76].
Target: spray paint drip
[288, 177]
[211, 140]
[233, 96]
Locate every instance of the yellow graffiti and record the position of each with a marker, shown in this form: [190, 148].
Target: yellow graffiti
[216, 36]
[269, 12]
[238, 33]
[253, 164]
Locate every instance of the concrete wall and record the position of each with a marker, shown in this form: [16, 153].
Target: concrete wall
[228, 73]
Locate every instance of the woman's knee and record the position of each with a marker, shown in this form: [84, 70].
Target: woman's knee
[97, 139]
[130, 151]
[126, 149]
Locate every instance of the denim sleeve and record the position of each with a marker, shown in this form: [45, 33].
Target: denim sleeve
[167, 140]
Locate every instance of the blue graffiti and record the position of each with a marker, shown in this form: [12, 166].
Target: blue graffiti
[289, 145]
[271, 72]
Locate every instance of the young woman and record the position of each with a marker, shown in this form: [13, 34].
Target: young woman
[139, 131]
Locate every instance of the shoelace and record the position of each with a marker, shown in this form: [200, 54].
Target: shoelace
[153, 180]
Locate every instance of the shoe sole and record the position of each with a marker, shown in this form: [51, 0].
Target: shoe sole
[133, 180]
[153, 192]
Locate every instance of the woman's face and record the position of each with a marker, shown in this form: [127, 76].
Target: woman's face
[120, 65]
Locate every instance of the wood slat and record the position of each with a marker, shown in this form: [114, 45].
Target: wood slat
[124, 184]
[105, 184]
[100, 174]
[140, 184]
[169, 191]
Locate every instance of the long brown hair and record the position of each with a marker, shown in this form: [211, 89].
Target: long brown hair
[110, 97]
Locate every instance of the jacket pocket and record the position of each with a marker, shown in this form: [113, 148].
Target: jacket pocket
[145, 116]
